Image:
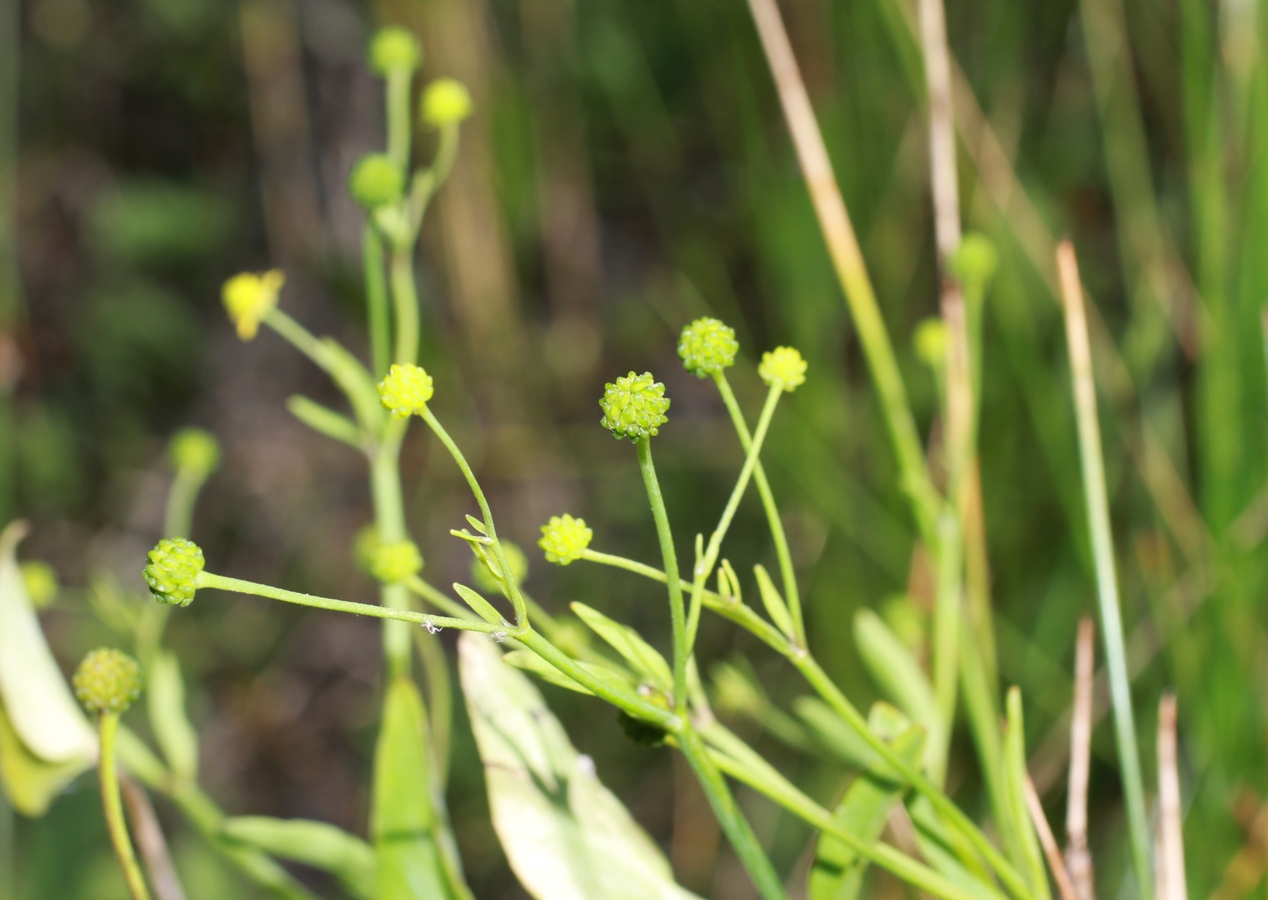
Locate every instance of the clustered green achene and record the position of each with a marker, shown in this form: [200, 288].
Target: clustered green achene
[635, 407]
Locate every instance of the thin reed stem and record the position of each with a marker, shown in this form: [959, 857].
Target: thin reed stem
[108, 729]
[677, 612]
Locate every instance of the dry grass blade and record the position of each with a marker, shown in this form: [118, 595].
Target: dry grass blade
[1065, 887]
[1170, 863]
[1078, 858]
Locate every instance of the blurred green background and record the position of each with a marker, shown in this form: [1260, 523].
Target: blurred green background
[628, 169]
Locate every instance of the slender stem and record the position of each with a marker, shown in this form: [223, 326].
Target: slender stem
[787, 574]
[237, 585]
[1103, 552]
[299, 337]
[399, 120]
[389, 519]
[108, 727]
[946, 635]
[704, 566]
[178, 520]
[734, 825]
[376, 299]
[438, 598]
[677, 614]
[517, 598]
[405, 302]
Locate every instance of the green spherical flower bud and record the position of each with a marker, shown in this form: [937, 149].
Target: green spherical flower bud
[395, 49]
[41, 584]
[563, 539]
[783, 368]
[446, 102]
[107, 681]
[487, 575]
[406, 390]
[634, 407]
[172, 574]
[249, 297]
[396, 561]
[975, 262]
[707, 346]
[376, 181]
[195, 451]
[364, 548]
[930, 342]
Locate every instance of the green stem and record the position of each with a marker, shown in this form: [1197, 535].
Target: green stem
[405, 302]
[676, 612]
[734, 825]
[376, 302]
[786, 571]
[946, 630]
[437, 598]
[108, 727]
[517, 598]
[389, 519]
[704, 566]
[399, 120]
[299, 337]
[181, 497]
[238, 586]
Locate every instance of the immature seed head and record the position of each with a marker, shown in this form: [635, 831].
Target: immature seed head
[930, 342]
[249, 297]
[634, 406]
[486, 572]
[107, 681]
[376, 181]
[40, 580]
[564, 538]
[446, 102]
[172, 573]
[396, 561]
[975, 261]
[195, 451]
[707, 346]
[783, 368]
[395, 49]
[406, 390]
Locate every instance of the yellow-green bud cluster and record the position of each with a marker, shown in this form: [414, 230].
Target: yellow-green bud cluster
[707, 346]
[107, 681]
[446, 101]
[783, 368]
[396, 561]
[376, 180]
[634, 406]
[195, 451]
[40, 580]
[249, 297]
[406, 390]
[930, 342]
[172, 573]
[975, 262]
[486, 572]
[564, 539]
[395, 49]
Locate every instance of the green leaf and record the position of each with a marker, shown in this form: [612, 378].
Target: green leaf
[1015, 780]
[315, 844]
[528, 661]
[627, 642]
[43, 723]
[165, 702]
[482, 608]
[403, 820]
[829, 730]
[776, 608]
[566, 836]
[899, 677]
[324, 420]
[838, 871]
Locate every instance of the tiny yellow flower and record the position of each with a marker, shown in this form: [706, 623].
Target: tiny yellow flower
[783, 368]
[564, 539]
[249, 297]
[406, 390]
[445, 102]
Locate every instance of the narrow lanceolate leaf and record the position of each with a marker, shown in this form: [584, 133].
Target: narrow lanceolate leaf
[900, 677]
[402, 821]
[834, 735]
[566, 836]
[324, 420]
[528, 661]
[1015, 780]
[838, 871]
[316, 844]
[45, 740]
[627, 642]
[776, 608]
[165, 702]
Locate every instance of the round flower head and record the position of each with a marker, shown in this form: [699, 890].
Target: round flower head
[195, 451]
[783, 368]
[707, 346]
[40, 580]
[930, 342]
[396, 561]
[107, 681]
[406, 390]
[249, 298]
[446, 102]
[395, 49]
[486, 574]
[975, 261]
[173, 570]
[634, 407]
[376, 181]
[564, 538]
